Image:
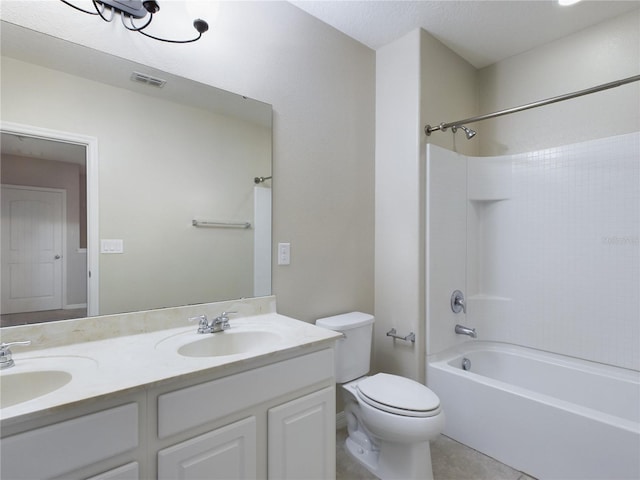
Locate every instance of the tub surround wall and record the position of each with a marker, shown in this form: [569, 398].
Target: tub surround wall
[589, 207]
[555, 263]
[544, 245]
[597, 54]
[446, 229]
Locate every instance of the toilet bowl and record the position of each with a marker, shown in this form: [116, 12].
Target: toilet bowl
[390, 419]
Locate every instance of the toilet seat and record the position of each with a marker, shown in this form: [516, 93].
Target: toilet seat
[398, 395]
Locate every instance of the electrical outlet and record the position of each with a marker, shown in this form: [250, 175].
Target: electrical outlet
[284, 253]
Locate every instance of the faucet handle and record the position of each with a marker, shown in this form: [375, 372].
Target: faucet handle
[4, 347]
[221, 322]
[201, 319]
[203, 323]
[224, 318]
[5, 353]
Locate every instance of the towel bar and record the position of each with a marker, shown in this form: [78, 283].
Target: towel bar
[200, 223]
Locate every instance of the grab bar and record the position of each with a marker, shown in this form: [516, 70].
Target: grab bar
[201, 223]
[408, 338]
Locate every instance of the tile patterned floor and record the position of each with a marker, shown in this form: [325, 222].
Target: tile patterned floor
[451, 461]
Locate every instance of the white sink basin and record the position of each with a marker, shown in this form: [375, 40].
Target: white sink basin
[20, 387]
[230, 342]
[33, 377]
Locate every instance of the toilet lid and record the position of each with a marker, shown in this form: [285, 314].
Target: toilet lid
[398, 395]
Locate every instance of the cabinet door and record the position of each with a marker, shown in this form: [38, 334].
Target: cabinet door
[302, 437]
[223, 454]
[129, 471]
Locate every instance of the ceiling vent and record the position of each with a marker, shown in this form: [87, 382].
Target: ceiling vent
[147, 79]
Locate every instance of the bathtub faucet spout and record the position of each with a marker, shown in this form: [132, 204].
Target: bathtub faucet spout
[460, 330]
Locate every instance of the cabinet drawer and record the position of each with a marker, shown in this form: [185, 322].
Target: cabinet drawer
[193, 406]
[60, 448]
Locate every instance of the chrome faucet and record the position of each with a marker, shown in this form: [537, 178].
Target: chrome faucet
[460, 330]
[216, 325]
[221, 322]
[5, 353]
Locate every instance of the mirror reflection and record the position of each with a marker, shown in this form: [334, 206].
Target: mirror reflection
[156, 159]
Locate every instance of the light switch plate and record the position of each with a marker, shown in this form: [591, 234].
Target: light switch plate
[111, 246]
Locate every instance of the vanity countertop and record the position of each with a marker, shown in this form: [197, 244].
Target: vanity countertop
[125, 363]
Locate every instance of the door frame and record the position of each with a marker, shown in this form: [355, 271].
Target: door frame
[91, 149]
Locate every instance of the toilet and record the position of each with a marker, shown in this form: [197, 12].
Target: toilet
[390, 419]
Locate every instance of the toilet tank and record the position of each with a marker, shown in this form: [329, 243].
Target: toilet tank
[353, 352]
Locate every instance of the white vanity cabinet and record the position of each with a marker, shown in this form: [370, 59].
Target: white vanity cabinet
[104, 443]
[273, 417]
[276, 421]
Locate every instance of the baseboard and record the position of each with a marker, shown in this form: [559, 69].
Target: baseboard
[341, 420]
[74, 306]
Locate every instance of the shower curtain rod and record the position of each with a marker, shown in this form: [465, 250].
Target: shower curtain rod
[605, 86]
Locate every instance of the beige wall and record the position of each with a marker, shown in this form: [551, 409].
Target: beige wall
[188, 163]
[600, 54]
[419, 80]
[321, 85]
[449, 92]
[398, 275]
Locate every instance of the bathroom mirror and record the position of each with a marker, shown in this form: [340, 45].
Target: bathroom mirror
[162, 159]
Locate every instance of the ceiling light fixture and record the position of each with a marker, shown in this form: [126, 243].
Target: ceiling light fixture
[138, 9]
[566, 3]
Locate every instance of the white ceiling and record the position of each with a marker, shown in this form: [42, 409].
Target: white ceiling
[24, 146]
[481, 31]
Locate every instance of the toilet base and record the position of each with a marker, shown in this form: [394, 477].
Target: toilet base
[394, 461]
[368, 458]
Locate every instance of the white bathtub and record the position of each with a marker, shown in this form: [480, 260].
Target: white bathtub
[550, 416]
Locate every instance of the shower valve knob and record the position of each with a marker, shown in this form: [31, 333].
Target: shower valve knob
[457, 302]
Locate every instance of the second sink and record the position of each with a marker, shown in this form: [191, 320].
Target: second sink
[229, 343]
